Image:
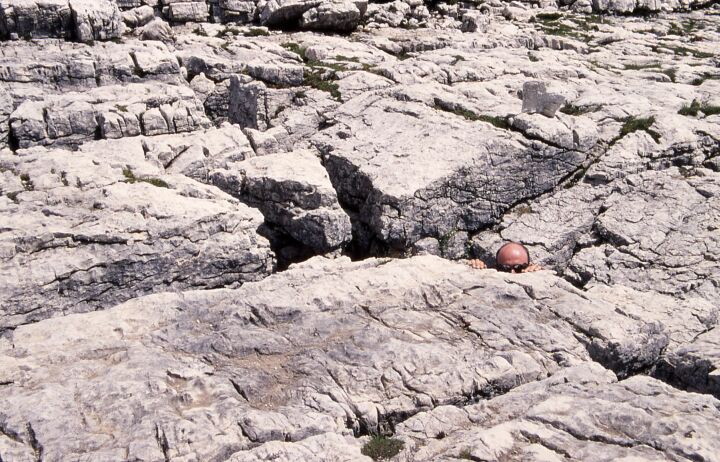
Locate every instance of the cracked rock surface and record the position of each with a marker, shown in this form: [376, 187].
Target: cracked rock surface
[205, 374]
[234, 230]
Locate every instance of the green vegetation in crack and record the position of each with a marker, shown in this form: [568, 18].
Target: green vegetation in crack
[685, 28]
[499, 122]
[316, 80]
[696, 107]
[444, 241]
[228, 31]
[382, 448]
[131, 178]
[682, 51]
[523, 209]
[642, 67]
[557, 24]
[315, 76]
[365, 66]
[295, 48]
[256, 32]
[571, 109]
[671, 73]
[704, 77]
[465, 454]
[633, 124]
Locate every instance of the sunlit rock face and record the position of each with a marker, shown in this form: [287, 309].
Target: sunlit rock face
[240, 230]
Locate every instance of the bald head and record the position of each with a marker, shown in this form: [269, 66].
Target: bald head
[512, 254]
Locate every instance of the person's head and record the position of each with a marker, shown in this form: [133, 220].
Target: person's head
[512, 258]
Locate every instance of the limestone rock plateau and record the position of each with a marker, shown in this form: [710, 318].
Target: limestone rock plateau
[239, 230]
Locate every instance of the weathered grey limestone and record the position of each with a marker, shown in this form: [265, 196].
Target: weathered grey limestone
[32, 70]
[302, 365]
[82, 20]
[339, 15]
[86, 230]
[205, 374]
[537, 99]
[657, 232]
[413, 172]
[96, 20]
[138, 16]
[238, 10]
[188, 12]
[580, 413]
[253, 104]
[694, 366]
[107, 112]
[293, 192]
[195, 154]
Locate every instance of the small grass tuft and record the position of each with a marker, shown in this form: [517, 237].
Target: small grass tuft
[671, 72]
[315, 80]
[571, 109]
[381, 448]
[295, 48]
[346, 58]
[703, 77]
[131, 178]
[458, 58]
[548, 17]
[499, 122]
[465, 454]
[256, 32]
[696, 107]
[633, 124]
[642, 67]
[228, 31]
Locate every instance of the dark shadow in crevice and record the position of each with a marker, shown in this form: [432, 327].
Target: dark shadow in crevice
[287, 249]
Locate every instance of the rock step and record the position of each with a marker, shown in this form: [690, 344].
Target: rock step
[81, 20]
[107, 113]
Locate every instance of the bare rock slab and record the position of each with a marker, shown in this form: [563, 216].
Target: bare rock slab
[413, 172]
[658, 232]
[581, 413]
[83, 232]
[210, 373]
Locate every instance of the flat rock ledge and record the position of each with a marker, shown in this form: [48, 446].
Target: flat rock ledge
[446, 357]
